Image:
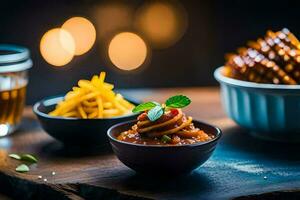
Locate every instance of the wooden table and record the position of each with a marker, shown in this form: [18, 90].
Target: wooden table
[241, 165]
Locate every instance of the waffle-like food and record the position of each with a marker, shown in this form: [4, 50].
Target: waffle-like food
[272, 59]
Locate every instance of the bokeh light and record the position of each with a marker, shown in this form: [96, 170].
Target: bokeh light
[57, 47]
[127, 51]
[83, 32]
[163, 23]
[111, 18]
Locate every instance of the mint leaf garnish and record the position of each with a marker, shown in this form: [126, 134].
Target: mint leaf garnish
[22, 168]
[178, 101]
[145, 106]
[156, 110]
[155, 113]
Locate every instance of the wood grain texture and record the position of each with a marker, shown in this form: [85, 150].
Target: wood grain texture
[237, 168]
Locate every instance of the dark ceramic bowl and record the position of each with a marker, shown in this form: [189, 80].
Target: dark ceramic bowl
[160, 159]
[74, 130]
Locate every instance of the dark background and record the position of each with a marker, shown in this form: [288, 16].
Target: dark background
[214, 28]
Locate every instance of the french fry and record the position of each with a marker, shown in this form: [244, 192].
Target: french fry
[90, 109]
[89, 104]
[107, 105]
[94, 80]
[108, 86]
[81, 112]
[93, 115]
[87, 85]
[92, 99]
[111, 113]
[102, 77]
[123, 102]
[100, 107]
[90, 95]
[120, 107]
[71, 114]
[76, 88]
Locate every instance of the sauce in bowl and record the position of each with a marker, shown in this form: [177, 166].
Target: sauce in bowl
[172, 128]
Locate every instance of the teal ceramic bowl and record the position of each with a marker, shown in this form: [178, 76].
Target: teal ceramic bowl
[269, 111]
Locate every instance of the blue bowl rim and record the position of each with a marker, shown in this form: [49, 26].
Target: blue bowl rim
[45, 115]
[234, 82]
[218, 136]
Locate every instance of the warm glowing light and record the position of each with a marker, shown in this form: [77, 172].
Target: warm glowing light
[57, 47]
[112, 17]
[127, 51]
[83, 32]
[162, 23]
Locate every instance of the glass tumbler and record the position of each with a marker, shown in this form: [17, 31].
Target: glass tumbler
[14, 64]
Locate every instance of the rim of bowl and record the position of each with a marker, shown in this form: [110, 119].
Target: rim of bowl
[218, 136]
[53, 98]
[235, 82]
[17, 60]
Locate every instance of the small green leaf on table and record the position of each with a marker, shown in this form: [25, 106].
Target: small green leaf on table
[15, 156]
[29, 158]
[22, 168]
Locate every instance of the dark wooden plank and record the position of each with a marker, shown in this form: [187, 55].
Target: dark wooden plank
[237, 168]
[282, 195]
[4, 197]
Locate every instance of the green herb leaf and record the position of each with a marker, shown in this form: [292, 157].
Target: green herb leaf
[29, 158]
[155, 113]
[15, 156]
[22, 168]
[165, 139]
[178, 101]
[145, 106]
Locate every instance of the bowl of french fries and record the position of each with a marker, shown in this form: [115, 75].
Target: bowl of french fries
[85, 113]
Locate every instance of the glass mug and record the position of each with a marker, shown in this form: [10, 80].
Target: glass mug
[14, 64]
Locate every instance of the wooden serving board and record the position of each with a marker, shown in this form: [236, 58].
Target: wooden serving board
[241, 165]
